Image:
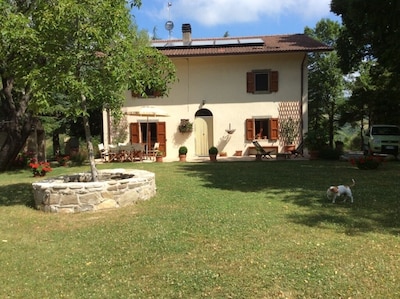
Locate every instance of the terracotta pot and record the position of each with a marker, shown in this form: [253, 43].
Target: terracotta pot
[314, 154]
[238, 153]
[182, 158]
[213, 158]
[289, 148]
[159, 158]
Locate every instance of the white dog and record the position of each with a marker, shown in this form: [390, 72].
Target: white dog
[336, 191]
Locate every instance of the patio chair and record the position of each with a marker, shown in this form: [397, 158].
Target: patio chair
[298, 152]
[103, 152]
[261, 151]
[152, 153]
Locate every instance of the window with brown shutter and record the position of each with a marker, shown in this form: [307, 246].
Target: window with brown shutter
[273, 129]
[273, 81]
[262, 128]
[250, 129]
[262, 81]
[134, 132]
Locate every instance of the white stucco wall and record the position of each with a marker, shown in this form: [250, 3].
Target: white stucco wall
[220, 83]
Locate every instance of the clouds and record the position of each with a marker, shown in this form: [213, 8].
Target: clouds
[210, 18]
[222, 12]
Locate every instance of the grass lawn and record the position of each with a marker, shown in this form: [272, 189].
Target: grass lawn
[217, 230]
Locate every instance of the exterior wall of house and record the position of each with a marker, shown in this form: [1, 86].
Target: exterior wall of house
[218, 83]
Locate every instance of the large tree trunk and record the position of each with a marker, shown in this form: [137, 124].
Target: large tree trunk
[17, 122]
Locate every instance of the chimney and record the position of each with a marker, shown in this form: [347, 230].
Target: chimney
[186, 34]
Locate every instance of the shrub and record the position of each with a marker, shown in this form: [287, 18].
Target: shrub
[366, 162]
[213, 150]
[183, 150]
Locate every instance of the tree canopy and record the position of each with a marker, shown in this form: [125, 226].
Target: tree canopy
[77, 55]
[368, 45]
[326, 82]
[371, 29]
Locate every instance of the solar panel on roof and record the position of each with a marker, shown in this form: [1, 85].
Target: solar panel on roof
[226, 42]
[158, 44]
[174, 44]
[202, 43]
[251, 41]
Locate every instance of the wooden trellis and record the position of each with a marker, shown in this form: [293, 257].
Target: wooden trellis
[291, 110]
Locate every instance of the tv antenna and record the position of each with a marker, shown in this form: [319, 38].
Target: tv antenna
[169, 25]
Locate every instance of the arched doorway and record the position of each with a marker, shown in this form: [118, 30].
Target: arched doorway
[203, 124]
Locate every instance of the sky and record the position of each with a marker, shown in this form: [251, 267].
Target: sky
[214, 18]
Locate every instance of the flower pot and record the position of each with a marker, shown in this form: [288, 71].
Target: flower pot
[238, 153]
[213, 157]
[182, 158]
[289, 148]
[159, 158]
[314, 154]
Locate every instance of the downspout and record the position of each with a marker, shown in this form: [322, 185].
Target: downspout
[301, 96]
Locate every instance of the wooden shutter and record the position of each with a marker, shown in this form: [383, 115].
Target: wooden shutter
[273, 129]
[249, 129]
[134, 132]
[250, 82]
[161, 137]
[273, 81]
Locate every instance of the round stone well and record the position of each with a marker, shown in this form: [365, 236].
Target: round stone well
[74, 193]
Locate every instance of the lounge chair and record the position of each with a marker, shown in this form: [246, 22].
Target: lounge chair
[103, 152]
[298, 152]
[261, 151]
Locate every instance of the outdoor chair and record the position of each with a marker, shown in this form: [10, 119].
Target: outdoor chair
[103, 152]
[152, 153]
[298, 152]
[261, 151]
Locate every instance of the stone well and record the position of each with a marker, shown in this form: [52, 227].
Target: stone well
[116, 188]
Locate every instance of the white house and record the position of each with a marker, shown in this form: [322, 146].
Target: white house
[233, 90]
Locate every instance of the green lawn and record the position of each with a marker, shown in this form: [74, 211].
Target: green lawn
[216, 230]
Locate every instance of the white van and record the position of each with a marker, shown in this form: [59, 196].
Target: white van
[382, 139]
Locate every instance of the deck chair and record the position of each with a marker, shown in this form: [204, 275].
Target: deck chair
[153, 152]
[103, 152]
[298, 152]
[260, 150]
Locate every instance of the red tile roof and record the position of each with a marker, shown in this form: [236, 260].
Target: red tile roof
[241, 45]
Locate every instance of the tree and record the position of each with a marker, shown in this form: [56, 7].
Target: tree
[87, 51]
[371, 35]
[326, 82]
[18, 57]
[371, 29]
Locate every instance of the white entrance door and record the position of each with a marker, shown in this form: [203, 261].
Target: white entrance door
[204, 137]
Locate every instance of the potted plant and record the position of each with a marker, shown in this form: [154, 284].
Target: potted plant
[159, 156]
[289, 130]
[366, 162]
[315, 141]
[182, 153]
[39, 168]
[185, 126]
[212, 153]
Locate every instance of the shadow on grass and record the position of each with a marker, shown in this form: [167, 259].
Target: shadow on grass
[304, 183]
[17, 194]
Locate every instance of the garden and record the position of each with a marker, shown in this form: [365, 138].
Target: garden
[218, 230]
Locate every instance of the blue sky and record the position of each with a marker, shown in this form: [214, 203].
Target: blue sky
[212, 18]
